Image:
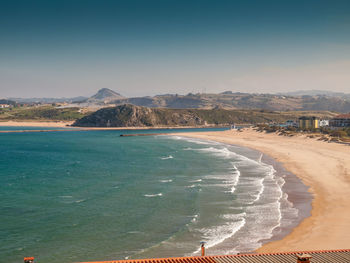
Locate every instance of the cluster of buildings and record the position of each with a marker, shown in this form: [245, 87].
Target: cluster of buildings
[3, 106]
[312, 122]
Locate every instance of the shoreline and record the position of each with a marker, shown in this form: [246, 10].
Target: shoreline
[67, 124]
[296, 191]
[298, 195]
[321, 166]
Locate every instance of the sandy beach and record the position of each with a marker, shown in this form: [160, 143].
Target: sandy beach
[52, 124]
[323, 166]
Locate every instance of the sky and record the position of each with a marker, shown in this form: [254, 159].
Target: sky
[70, 48]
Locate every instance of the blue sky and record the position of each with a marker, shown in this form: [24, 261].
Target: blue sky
[147, 47]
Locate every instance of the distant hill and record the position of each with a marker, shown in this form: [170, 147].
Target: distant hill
[48, 100]
[105, 95]
[136, 116]
[315, 100]
[9, 102]
[327, 93]
[229, 100]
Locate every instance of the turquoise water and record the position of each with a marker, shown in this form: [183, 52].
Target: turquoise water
[93, 195]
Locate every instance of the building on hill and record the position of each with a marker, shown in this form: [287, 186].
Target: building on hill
[306, 122]
[342, 120]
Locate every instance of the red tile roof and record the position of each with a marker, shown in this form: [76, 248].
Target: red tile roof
[342, 116]
[338, 256]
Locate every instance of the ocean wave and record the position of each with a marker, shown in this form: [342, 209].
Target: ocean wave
[135, 232]
[196, 181]
[192, 186]
[236, 175]
[167, 157]
[261, 190]
[152, 195]
[198, 141]
[166, 181]
[258, 194]
[228, 181]
[194, 218]
[221, 152]
[218, 234]
[188, 149]
[174, 137]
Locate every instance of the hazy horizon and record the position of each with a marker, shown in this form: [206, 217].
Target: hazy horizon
[137, 48]
[181, 94]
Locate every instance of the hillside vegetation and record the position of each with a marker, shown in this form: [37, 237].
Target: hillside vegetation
[44, 113]
[229, 100]
[136, 116]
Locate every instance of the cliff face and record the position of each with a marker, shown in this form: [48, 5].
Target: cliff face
[137, 116]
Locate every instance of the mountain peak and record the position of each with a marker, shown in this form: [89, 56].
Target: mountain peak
[106, 94]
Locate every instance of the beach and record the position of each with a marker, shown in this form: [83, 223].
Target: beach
[323, 166]
[231, 194]
[62, 124]
[53, 124]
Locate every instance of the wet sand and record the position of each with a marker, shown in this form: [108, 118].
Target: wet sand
[323, 166]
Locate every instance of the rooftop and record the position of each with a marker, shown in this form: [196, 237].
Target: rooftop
[324, 256]
[342, 116]
[308, 118]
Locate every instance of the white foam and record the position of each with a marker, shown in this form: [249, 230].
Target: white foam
[176, 137]
[194, 218]
[191, 186]
[259, 195]
[193, 140]
[236, 175]
[261, 190]
[198, 141]
[188, 149]
[153, 195]
[218, 234]
[222, 152]
[167, 157]
[166, 181]
[135, 232]
[196, 181]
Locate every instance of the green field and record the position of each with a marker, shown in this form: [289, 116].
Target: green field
[42, 113]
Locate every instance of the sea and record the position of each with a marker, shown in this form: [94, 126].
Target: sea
[70, 196]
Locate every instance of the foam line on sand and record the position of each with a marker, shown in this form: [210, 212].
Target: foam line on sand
[324, 167]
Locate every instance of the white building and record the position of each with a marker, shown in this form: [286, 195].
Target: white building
[324, 123]
[2, 106]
